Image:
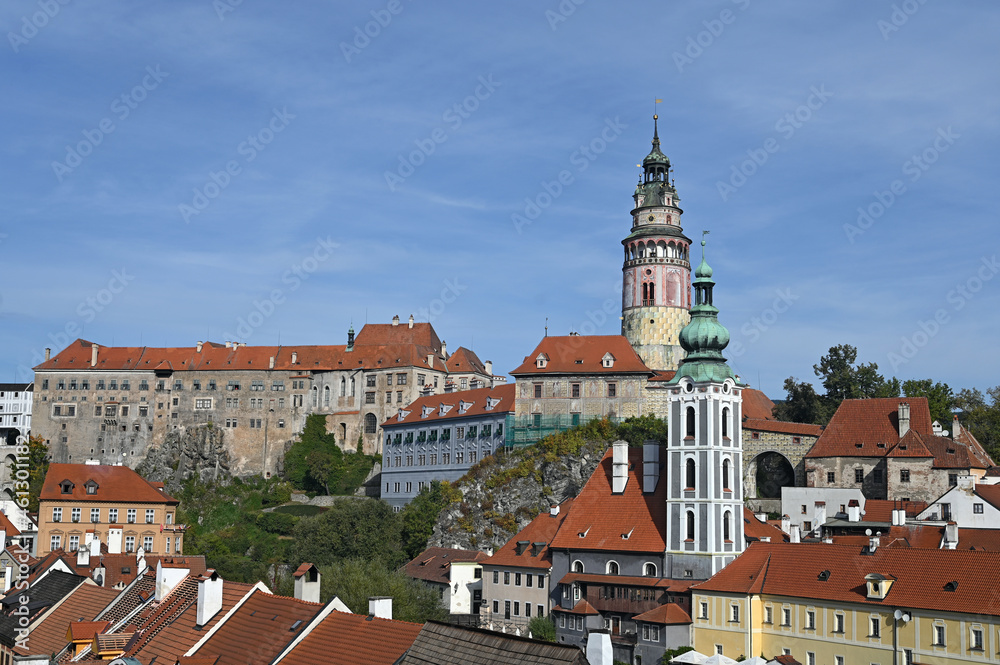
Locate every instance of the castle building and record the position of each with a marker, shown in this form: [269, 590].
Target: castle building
[15, 411]
[656, 272]
[115, 404]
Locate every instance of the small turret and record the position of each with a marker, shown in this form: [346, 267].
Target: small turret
[350, 339]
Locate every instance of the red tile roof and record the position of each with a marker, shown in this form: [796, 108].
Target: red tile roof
[914, 535]
[782, 427]
[542, 529]
[880, 510]
[115, 484]
[434, 563]
[753, 528]
[963, 435]
[989, 493]
[756, 405]
[911, 445]
[348, 639]
[501, 397]
[860, 425]
[582, 607]
[604, 519]
[667, 615]
[85, 630]
[465, 360]
[951, 454]
[384, 334]
[621, 580]
[580, 354]
[86, 602]
[258, 630]
[979, 539]
[920, 575]
[8, 526]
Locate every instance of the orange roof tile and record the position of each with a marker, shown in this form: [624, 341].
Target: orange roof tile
[880, 510]
[782, 427]
[951, 454]
[600, 520]
[348, 639]
[114, 484]
[754, 529]
[583, 354]
[8, 526]
[382, 334]
[869, 427]
[500, 398]
[989, 493]
[910, 445]
[273, 621]
[434, 563]
[920, 575]
[667, 615]
[757, 405]
[979, 539]
[540, 530]
[85, 630]
[86, 602]
[465, 360]
[912, 535]
[582, 607]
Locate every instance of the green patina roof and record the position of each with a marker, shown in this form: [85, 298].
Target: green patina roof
[654, 230]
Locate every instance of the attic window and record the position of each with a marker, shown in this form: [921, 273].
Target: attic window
[858, 445]
[608, 360]
[824, 576]
[579, 362]
[626, 536]
[951, 451]
[880, 445]
[295, 625]
[91, 487]
[951, 586]
[541, 361]
[67, 487]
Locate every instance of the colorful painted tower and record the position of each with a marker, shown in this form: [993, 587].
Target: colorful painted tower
[704, 447]
[656, 298]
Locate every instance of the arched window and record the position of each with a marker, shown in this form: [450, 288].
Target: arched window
[326, 395]
[690, 525]
[690, 422]
[649, 570]
[613, 568]
[343, 387]
[727, 526]
[352, 386]
[689, 473]
[725, 422]
[315, 396]
[725, 474]
[371, 423]
[578, 566]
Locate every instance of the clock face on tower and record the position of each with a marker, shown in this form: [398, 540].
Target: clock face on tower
[651, 218]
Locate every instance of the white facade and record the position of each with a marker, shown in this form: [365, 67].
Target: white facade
[962, 505]
[811, 507]
[466, 592]
[15, 411]
[704, 476]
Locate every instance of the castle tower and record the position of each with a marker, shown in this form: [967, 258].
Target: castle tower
[656, 273]
[704, 446]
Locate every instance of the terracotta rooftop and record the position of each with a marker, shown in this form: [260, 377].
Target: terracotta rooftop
[8, 526]
[534, 542]
[51, 634]
[442, 644]
[479, 402]
[880, 510]
[989, 493]
[780, 426]
[630, 521]
[979, 539]
[115, 484]
[583, 354]
[582, 607]
[273, 621]
[921, 576]
[348, 639]
[85, 630]
[756, 405]
[620, 580]
[669, 614]
[138, 592]
[870, 427]
[434, 563]
[912, 535]
[754, 529]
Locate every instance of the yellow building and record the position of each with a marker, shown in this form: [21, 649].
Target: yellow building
[840, 604]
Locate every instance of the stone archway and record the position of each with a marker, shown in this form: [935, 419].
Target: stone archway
[767, 473]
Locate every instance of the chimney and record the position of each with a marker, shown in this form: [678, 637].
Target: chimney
[395, 320]
[444, 349]
[904, 418]
[820, 514]
[599, 650]
[853, 511]
[95, 547]
[411, 321]
[553, 509]
[198, 348]
[489, 368]
[951, 536]
[209, 596]
[955, 426]
[619, 468]
[115, 540]
[93, 355]
[48, 353]
[270, 363]
[966, 482]
[307, 583]
[794, 535]
[650, 466]
[229, 344]
[786, 524]
[295, 357]
[380, 607]
[895, 517]
[167, 576]
[874, 541]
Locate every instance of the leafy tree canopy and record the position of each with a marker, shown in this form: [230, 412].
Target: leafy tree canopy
[316, 463]
[356, 580]
[939, 397]
[362, 528]
[420, 515]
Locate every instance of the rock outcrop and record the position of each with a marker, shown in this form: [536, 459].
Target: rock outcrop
[196, 451]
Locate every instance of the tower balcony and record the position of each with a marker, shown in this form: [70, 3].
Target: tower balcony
[658, 260]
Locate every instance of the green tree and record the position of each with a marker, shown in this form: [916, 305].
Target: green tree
[38, 467]
[939, 397]
[671, 653]
[321, 464]
[842, 379]
[639, 429]
[316, 463]
[542, 628]
[363, 528]
[420, 515]
[356, 580]
[980, 414]
[802, 404]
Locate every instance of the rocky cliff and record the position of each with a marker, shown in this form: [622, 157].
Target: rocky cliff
[187, 452]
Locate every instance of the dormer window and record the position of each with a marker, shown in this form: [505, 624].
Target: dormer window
[91, 487]
[463, 406]
[541, 361]
[877, 586]
[608, 360]
[67, 486]
[426, 411]
[443, 409]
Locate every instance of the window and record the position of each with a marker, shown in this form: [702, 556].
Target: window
[612, 390]
[574, 390]
[541, 585]
[877, 476]
[399, 396]
[55, 542]
[786, 617]
[904, 475]
[129, 543]
[875, 627]
[689, 473]
[371, 423]
[725, 474]
[459, 458]
[976, 641]
[727, 528]
[496, 606]
[810, 658]
[166, 549]
[95, 515]
[143, 411]
[810, 620]
[703, 610]
[496, 577]
[409, 486]
[150, 514]
[613, 568]
[506, 577]
[144, 384]
[130, 515]
[76, 514]
[113, 515]
[768, 613]
[147, 543]
[838, 623]
[517, 579]
[952, 479]
[859, 475]
[939, 636]
[528, 579]
[57, 514]
[977, 508]
[649, 570]
[203, 404]
[831, 477]
[370, 397]
[538, 390]
[690, 526]
[838, 660]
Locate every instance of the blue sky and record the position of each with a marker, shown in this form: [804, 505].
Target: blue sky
[174, 172]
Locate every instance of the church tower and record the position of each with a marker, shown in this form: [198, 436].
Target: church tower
[704, 446]
[656, 273]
